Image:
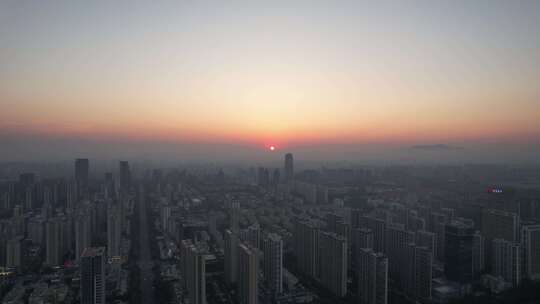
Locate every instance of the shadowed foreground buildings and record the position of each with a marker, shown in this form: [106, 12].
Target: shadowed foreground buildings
[273, 263]
[193, 267]
[248, 273]
[372, 277]
[93, 276]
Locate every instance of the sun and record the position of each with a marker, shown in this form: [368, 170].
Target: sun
[272, 148]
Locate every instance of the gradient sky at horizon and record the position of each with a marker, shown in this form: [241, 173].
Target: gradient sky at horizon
[271, 72]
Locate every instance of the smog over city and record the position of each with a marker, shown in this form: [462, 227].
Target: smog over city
[272, 152]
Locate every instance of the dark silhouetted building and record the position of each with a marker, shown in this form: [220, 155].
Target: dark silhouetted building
[93, 275]
[82, 167]
[289, 167]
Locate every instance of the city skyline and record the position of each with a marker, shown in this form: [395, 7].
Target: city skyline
[348, 80]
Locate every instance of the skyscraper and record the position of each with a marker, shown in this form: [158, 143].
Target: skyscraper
[248, 271]
[273, 263]
[372, 272]
[289, 167]
[81, 177]
[333, 262]
[231, 257]
[125, 176]
[93, 276]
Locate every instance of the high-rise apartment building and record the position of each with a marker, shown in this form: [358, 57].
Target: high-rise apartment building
[93, 276]
[273, 263]
[231, 256]
[333, 262]
[507, 261]
[372, 273]
[530, 240]
[248, 272]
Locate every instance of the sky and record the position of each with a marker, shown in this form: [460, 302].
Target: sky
[349, 79]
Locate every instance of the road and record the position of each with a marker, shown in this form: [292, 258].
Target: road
[145, 262]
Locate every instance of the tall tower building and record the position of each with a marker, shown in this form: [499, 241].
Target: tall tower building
[231, 257]
[114, 232]
[125, 176]
[273, 263]
[83, 234]
[81, 176]
[372, 277]
[93, 275]
[498, 224]
[289, 167]
[333, 262]
[248, 271]
[530, 240]
[53, 242]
